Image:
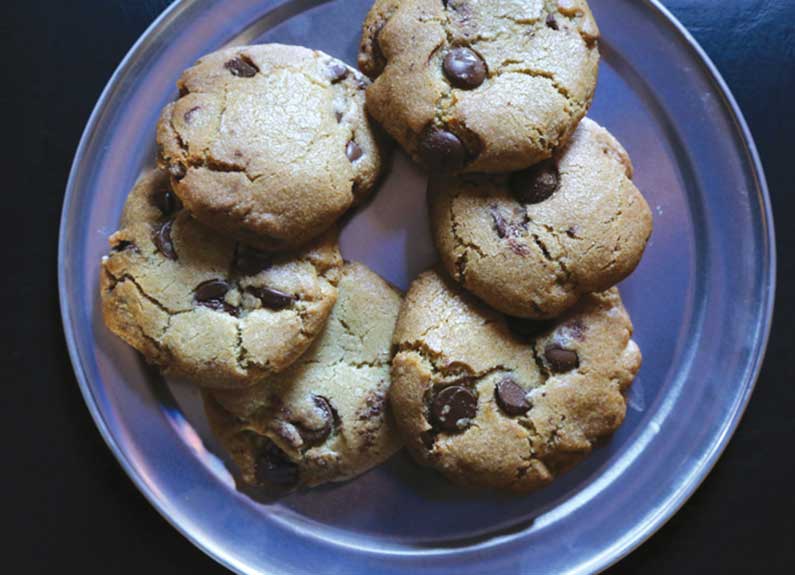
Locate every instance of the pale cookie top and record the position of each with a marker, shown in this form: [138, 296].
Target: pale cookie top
[507, 407]
[531, 243]
[203, 306]
[325, 418]
[269, 144]
[479, 86]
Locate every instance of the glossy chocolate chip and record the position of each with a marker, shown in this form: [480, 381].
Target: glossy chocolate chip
[329, 417]
[464, 68]
[561, 359]
[337, 72]
[211, 294]
[250, 262]
[535, 184]
[442, 150]
[551, 22]
[166, 201]
[353, 151]
[511, 397]
[162, 240]
[273, 467]
[241, 68]
[453, 408]
[271, 298]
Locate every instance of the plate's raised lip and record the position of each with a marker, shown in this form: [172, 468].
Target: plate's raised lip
[610, 555]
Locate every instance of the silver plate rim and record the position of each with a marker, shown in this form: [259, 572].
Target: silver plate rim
[633, 539]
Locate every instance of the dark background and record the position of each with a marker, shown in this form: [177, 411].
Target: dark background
[71, 506]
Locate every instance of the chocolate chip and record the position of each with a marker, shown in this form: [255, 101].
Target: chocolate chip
[511, 397]
[250, 262]
[211, 294]
[464, 68]
[442, 150]
[561, 359]
[316, 435]
[535, 184]
[166, 201]
[353, 151]
[271, 298]
[526, 329]
[453, 407]
[162, 241]
[241, 68]
[551, 22]
[177, 170]
[188, 116]
[337, 72]
[500, 225]
[273, 467]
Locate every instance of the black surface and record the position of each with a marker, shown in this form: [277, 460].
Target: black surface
[70, 504]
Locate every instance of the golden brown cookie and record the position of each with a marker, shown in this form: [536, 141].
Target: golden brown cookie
[509, 406]
[269, 144]
[531, 243]
[479, 86]
[326, 418]
[201, 305]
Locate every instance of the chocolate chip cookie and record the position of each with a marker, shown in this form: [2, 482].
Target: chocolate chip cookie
[269, 144]
[531, 243]
[479, 86]
[201, 305]
[325, 418]
[498, 402]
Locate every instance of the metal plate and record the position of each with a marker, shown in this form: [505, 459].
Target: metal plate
[701, 301]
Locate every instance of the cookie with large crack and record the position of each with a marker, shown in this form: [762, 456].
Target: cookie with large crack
[531, 243]
[491, 401]
[270, 144]
[201, 305]
[480, 86]
[326, 418]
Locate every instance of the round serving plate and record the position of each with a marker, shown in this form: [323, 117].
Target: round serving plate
[701, 302]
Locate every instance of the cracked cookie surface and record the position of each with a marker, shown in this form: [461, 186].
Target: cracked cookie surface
[479, 85]
[507, 405]
[203, 306]
[326, 418]
[531, 243]
[270, 144]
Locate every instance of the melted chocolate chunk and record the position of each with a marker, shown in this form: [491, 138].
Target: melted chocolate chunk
[241, 67]
[453, 407]
[464, 68]
[511, 397]
[211, 294]
[271, 298]
[353, 151]
[535, 184]
[442, 150]
[330, 417]
[162, 240]
[560, 359]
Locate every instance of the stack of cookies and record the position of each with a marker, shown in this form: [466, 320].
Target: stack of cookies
[503, 365]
